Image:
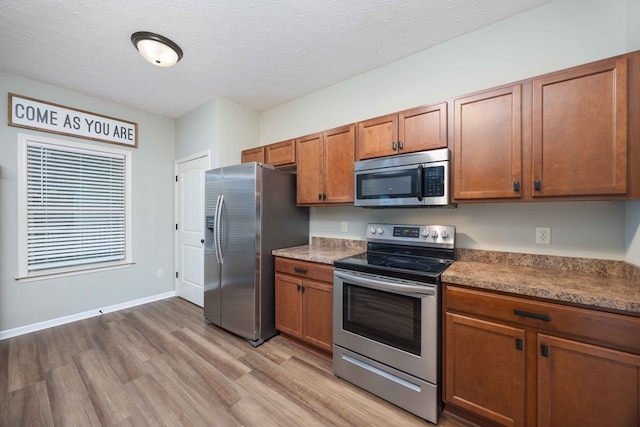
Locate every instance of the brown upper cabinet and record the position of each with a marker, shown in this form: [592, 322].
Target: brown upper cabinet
[567, 135]
[487, 144]
[580, 131]
[253, 155]
[281, 154]
[418, 129]
[325, 167]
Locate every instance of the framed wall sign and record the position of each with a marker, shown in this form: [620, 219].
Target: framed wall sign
[30, 113]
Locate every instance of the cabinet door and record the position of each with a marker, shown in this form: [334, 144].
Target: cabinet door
[487, 147]
[309, 169]
[338, 158]
[288, 305]
[317, 309]
[423, 128]
[484, 369]
[281, 153]
[253, 155]
[378, 137]
[580, 131]
[586, 385]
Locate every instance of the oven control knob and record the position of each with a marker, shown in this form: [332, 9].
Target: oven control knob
[425, 232]
[444, 234]
[434, 234]
[372, 230]
[380, 230]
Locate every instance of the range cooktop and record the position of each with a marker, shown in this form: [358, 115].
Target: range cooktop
[414, 252]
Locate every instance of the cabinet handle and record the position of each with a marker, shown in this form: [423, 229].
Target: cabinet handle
[400, 146]
[544, 350]
[394, 145]
[302, 287]
[516, 186]
[519, 344]
[324, 196]
[300, 270]
[537, 185]
[319, 196]
[537, 316]
[297, 287]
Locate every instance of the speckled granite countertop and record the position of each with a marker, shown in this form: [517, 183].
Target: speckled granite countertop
[323, 250]
[599, 284]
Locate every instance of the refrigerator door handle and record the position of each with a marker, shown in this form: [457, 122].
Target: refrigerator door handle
[216, 230]
[219, 230]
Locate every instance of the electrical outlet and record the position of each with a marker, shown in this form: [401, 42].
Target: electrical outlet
[543, 235]
[159, 273]
[343, 226]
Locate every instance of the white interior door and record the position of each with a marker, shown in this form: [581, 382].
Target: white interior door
[190, 229]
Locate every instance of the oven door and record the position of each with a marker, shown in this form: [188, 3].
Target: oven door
[392, 321]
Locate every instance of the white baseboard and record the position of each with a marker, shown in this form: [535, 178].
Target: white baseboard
[9, 333]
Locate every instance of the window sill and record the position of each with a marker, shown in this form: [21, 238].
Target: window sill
[33, 277]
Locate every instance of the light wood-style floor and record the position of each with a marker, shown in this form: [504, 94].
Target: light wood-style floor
[160, 365]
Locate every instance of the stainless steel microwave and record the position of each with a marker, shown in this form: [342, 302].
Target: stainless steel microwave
[407, 180]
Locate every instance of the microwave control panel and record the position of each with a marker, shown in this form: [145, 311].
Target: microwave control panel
[433, 181]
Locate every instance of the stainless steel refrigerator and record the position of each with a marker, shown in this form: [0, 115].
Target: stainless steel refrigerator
[250, 209]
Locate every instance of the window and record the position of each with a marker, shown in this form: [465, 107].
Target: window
[74, 207]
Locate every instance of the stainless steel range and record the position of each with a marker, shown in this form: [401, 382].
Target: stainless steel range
[386, 326]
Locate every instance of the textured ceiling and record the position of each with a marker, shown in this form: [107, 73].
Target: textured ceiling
[259, 53]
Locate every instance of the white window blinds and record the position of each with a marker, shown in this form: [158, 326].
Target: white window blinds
[76, 213]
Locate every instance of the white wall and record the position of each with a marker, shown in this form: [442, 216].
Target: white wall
[633, 29]
[222, 126]
[196, 132]
[33, 302]
[238, 129]
[632, 232]
[557, 35]
[582, 229]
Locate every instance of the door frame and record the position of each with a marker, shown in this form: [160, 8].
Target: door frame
[206, 154]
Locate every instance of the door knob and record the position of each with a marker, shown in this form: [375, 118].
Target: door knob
[201, 240]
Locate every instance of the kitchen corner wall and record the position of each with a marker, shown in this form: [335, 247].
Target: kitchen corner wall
[222, 126]
[23, 304]
[557, 35]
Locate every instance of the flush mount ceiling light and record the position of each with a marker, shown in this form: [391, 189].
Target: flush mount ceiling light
[156, 49]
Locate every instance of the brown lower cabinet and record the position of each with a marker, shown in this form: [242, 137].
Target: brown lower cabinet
[304, 302]
[512, 361]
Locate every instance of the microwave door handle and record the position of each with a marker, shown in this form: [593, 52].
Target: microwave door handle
[420, 172]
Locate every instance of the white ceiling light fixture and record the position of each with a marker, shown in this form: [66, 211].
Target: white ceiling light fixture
[156, 49]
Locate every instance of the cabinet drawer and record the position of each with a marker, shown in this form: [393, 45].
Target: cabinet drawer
[311, 270]
[609, 329]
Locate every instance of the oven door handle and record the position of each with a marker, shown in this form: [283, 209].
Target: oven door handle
[399, 288]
